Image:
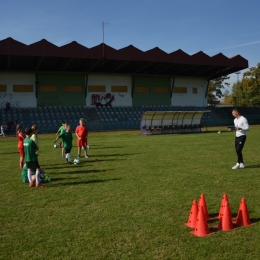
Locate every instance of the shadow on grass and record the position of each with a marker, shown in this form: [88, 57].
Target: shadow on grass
[61, 179]
[90, 171]
[253, 166]
[79, 171]
[97, 157]
[214, 216]
[111, 147]
[61, 166]
[104, 147]
[84, 182]
[254, 220]
[10, 153]
[116, 154]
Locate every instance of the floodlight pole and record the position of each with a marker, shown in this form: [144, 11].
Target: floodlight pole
[103, 29]
[237, 75]
[237, 90]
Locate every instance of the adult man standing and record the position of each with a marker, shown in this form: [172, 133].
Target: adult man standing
[241, 125]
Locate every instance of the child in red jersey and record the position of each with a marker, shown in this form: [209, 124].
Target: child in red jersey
[20, 136]
[82, 135]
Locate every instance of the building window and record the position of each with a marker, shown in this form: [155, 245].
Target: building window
[22, 88]
[96, 88]
[179, 90]
[139, 89]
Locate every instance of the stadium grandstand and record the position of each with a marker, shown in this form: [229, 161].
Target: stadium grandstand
[110, 88]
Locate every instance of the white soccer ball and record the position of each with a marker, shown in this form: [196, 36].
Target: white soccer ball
[76, 161]
[219, 132]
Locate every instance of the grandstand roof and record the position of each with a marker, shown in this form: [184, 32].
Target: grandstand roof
[43, 56]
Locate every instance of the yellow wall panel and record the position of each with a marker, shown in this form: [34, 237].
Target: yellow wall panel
[22, 88]
[48, 88]
[73, 88]
[180, 90]
[140, 89]
[96, 88]
[118, 88]
[2, 88]
[161, 89]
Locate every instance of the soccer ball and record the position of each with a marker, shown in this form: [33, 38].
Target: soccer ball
[55, 146]
[76, 161]
[219, 132]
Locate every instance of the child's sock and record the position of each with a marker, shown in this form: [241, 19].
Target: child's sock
[37, 176]
[68, 157]
[29, 175]
[21, 165]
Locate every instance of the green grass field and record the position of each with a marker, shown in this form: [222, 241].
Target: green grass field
[133, 202]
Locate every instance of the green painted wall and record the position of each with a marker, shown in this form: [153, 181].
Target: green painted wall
[152, 98]
[61, 98]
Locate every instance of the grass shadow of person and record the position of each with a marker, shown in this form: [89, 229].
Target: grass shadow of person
[84, 182]
[253, 166]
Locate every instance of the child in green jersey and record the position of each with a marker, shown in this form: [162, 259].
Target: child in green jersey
[43, 176]
[34, 136]
[67, 142]
[61, 130]
[30, 147]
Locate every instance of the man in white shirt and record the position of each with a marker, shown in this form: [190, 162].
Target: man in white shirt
[241, 125]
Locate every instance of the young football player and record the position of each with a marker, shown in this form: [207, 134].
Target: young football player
[82, 134]
[30, 147]
[67, 142]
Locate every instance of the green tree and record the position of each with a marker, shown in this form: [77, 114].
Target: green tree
[227, 98]
[216, 88]
[237, 94]
[251, 86]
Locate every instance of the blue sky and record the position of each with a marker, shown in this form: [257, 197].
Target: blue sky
[228, 26]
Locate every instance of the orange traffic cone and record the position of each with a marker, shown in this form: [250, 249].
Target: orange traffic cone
[202, 203]
[243, 218]
[201, 227]
[225, 222]
[222, 205]
[193, 215]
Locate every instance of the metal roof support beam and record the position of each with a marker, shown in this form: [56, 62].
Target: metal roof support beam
[121, 66]
[145, 67]
[201, 71]
[86, 85]
[168, 67]
[133, 85]
[8, 62]
[95, 64]
[39, 63]
[36, 85]
[223, 72]
[172, 87]
[186, 69]
[67, 64]
[206, 93]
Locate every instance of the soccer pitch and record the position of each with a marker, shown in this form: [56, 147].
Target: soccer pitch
[133, 201]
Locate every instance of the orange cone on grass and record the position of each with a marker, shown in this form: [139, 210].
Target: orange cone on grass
[225, 221]
[202, 203]
[201, 227]
[193, 215]
[243, 218]
[222, 206]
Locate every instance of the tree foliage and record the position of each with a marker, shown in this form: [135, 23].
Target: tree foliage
[216, 88]
[227, 98]
[247, 91]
